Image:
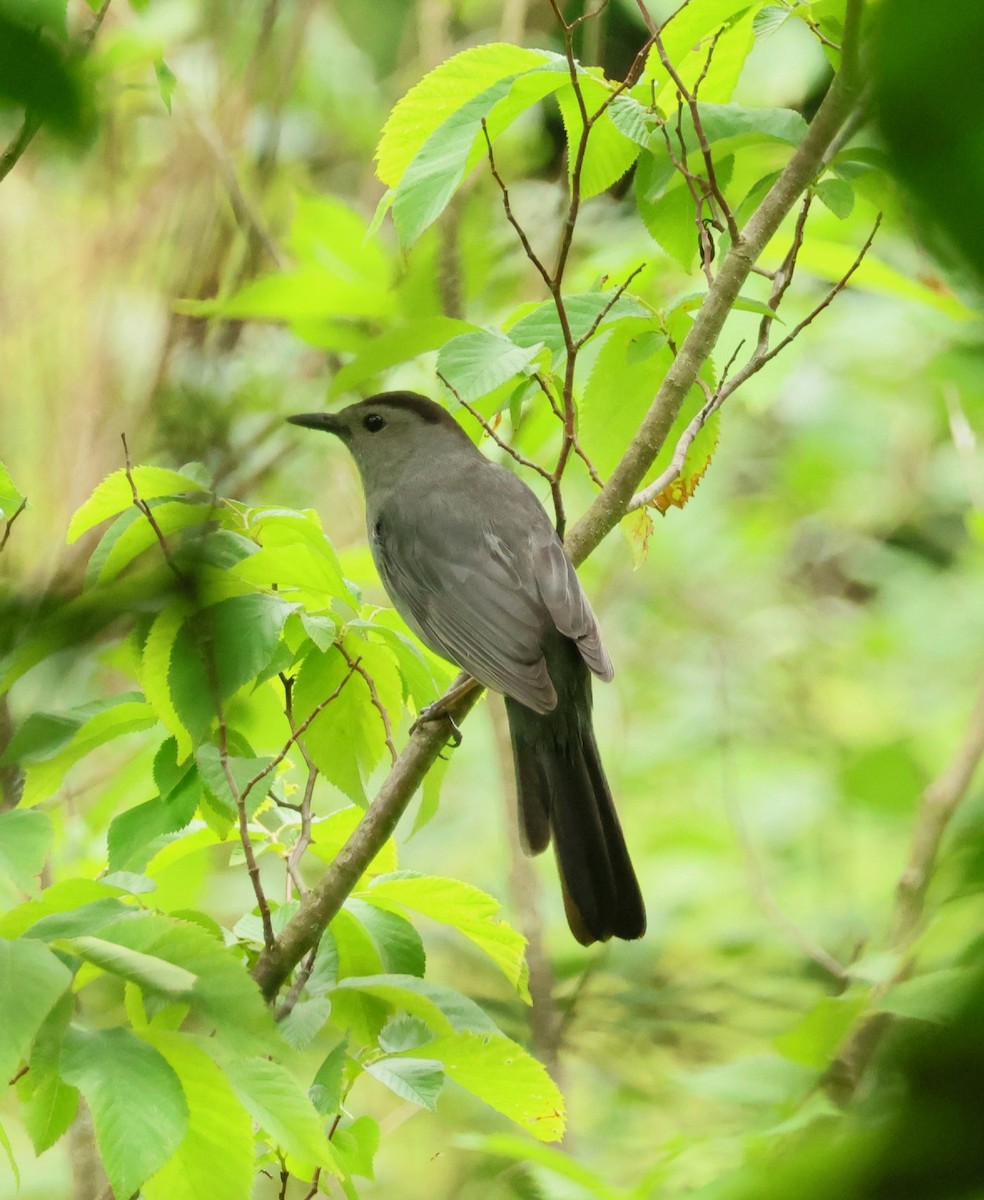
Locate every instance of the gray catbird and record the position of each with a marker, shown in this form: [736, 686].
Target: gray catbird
[470, 559]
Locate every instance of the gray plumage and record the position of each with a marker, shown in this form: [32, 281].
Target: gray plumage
[471, 561]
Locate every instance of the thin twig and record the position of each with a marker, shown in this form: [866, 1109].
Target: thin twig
[510, 215]
[616, 296]
[292, 997]
[355, 664]
[148, 512]
[490, 430]
[759, 360]
[713, 402]
[558, 413]
[9, 524]
[690, 98]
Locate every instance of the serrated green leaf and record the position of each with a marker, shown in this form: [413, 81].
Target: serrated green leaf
[223, 991]
[767, 20]
[214, 1160]
[471, 911]
[429, 103]
[272, 1096]
[326, 1088]
[115, 494]
[32, 980]
[49, 1108]
[144, 969]
[63, 898]
[357, 1144]
[418, 1080]
[134, 836]
[138, 1107]
[837, 195]
[155, 663]
[132, 533]
[304, 1022]
[506, 1077]
[477, 363]
[243, 772]
[25, 839]
[542, 325]
[218, 650]
[401, 950]
[443, 1009]
[608, 153]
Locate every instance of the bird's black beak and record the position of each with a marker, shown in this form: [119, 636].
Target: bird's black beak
[328, 422]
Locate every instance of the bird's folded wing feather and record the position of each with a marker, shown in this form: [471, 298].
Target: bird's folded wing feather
[566, 602]
[470, 605]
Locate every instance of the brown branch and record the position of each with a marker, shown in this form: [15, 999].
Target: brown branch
[325, 898]
[490, 430]
[613, 501]
[303, 975]
[355, 664]
[510, 215]
[939, 802]
[148, 512]
[9, 523]
[761, 357]
[617, 295]
[578, 449]
[690, 99]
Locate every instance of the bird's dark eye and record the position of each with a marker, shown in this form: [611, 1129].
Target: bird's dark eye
[373, 422]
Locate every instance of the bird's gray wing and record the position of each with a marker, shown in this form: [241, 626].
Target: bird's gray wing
[567, 604]
[461, 587]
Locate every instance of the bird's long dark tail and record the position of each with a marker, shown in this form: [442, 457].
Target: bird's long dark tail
[563, 794]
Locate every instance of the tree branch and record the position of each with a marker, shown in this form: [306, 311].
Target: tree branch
[612, 503]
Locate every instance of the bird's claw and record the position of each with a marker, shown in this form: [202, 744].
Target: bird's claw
[438, 712]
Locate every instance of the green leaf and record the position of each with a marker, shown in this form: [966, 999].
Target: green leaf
[222, 991]
[542, 325]
[25, 839]
[9, 1151]
[477, 363]
[418, 1080]
[134, 836]
[759, 1081]
[115, 494]
[37, 76]
[166, 82]
[443, 1009]
[218, 650]
[275, 1101]
[557, 1162]
[933, 997]
[687, 41]
[401, 950]
[49, 1108]
[429, 103]
[357, 1144]
[243, 772]
[137, 1103]
[132, 533]
[471, 911]
[145, 969]
[837, 195]
[506, 1077]
[814, 1040]
[609, 153]
[347, 738]
[214, 1160]
[304, 1022]
[10, 497]
[31, 981]
[767, 20]
[63, 901]
[326, 1089]
[332, 832]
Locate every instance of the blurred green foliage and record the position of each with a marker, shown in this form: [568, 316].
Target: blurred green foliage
[797, 650]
